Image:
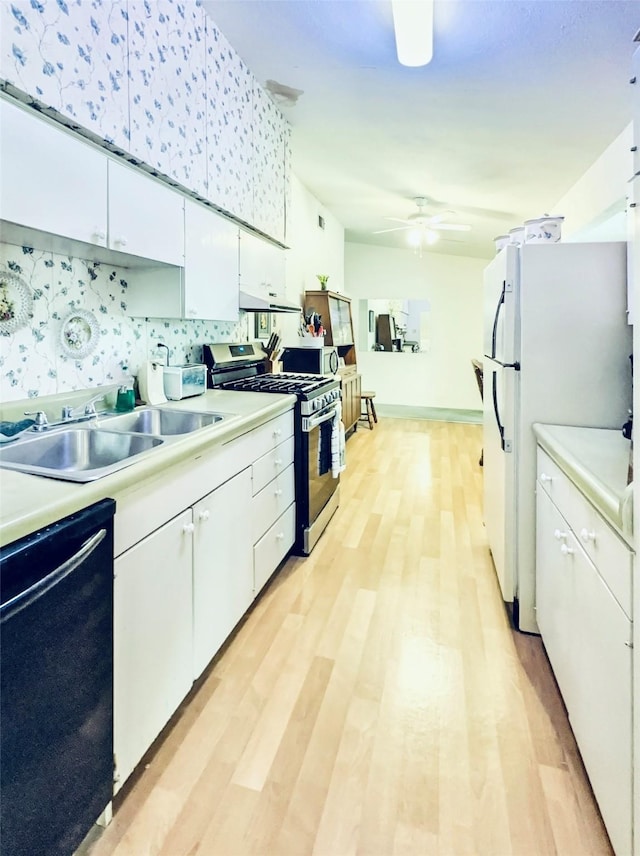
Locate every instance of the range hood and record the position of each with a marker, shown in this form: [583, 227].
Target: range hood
[266, 303]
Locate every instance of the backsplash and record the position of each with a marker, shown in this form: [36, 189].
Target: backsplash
[32, 360]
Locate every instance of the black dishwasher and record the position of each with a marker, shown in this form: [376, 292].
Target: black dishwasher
[56, 683]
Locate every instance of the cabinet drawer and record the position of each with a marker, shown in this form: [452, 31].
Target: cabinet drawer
[272, 501]
[259, 441]
[266, 468]
[608, 552]
[273, 547]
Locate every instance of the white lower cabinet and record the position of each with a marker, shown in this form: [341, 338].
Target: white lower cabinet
[183, 585]
[587, 633]
[222, 567]
[152, 638]
[273, 508]
[273, 547]
[555, 593]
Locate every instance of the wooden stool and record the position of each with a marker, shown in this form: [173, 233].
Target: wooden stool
[369, 412]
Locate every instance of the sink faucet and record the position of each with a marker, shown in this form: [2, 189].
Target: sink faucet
[84, 411]
[87, 409]
[41, 419]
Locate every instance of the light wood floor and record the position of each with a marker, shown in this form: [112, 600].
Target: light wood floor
[376, 700]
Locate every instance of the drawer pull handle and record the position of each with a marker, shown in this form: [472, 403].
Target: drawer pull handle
[629, 644]
[559, 535]
[566, 550]
[545, 478]
[188, 528]
[278, 462]
[277, 432]
[587, 536]
[204, 515]
[277, 492]
[279, 536]
[99, 234]
[121, 241]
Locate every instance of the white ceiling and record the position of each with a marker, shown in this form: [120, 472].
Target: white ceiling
[519, 100]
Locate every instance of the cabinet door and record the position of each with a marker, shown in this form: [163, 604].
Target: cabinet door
[555, 592]
[273, 547]
[146, 218]
[262, 266]
[223, 567]
[347, 402]
[152, 638]
[635, 108]
[633, 241]
[587, 637]
[601, 716]
[340, 316]
[51, 181]
[350, 400]
[357, 402]
[211, 265]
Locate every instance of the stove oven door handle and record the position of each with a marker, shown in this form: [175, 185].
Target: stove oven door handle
[311, 422]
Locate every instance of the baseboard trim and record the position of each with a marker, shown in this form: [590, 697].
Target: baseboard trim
[434, 414]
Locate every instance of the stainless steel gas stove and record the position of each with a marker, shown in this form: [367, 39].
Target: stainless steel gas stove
[241, 367]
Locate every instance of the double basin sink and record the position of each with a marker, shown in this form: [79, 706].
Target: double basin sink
[108, 443]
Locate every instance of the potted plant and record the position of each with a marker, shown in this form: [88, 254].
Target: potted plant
[323, 277]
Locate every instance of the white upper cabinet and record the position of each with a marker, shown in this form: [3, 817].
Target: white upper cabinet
[162, 83]
[262, 266]
[51, 181]
[146, 218]
[55, 183]
[635, 109]
[211, 265]
[633, 246]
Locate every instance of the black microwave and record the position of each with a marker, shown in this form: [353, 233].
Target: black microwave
[310, 360]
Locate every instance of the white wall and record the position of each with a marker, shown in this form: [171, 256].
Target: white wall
[312, 251]
[594, 207]
[441, 377]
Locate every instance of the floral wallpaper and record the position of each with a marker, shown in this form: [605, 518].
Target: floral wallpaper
[229, 126]
[34, 360]
[167, 87]
[157, 79]
[72, 56]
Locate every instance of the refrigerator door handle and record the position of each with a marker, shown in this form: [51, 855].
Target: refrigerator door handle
[494, 392]
[494, 332]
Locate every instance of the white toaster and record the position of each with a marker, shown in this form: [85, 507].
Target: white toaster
[184, 381]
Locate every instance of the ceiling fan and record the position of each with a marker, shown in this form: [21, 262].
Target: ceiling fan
[422, 222]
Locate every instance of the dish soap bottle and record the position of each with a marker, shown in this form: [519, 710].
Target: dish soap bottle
[126, 399]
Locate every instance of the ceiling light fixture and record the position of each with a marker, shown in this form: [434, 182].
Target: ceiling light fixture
[422, 237]
[413, 25]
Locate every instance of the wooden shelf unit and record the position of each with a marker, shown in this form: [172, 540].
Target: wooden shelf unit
[335, 312]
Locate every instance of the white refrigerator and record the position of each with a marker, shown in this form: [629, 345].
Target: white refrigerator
[556, 350]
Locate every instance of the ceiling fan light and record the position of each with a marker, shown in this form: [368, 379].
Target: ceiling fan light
[413, 25]
[414, 237]
[430, 236]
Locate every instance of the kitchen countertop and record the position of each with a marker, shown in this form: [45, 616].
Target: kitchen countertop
[597, 461]
[29, 503]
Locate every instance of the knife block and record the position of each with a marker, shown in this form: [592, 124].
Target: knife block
[273, 366]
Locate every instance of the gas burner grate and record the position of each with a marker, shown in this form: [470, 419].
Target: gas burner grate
[284, 383]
